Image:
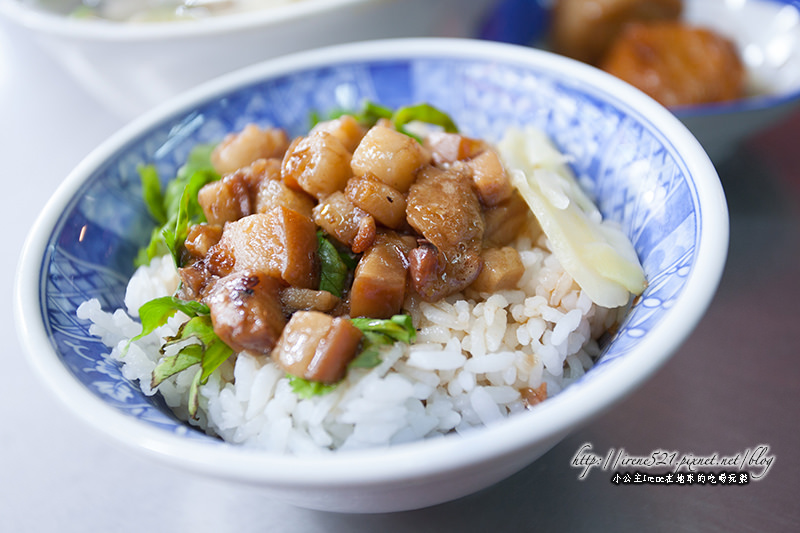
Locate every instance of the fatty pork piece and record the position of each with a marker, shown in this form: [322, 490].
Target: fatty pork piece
[502, 270]
[489, 178]
[503, 222]
[451, 147]
[297, 299]
[318, 164]
[379, 283]
[385, 203]
[227, 199]
[246, 311]
[443, 207]
[488, 174]
[585, 29]
[348, 224]
[316, 346]
[239, 150]
[281, 243]
[252, 189]
[390, 156]
[274, 192]
[345, 128]
[200, 238]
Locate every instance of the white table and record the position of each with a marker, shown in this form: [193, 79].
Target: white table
[732, 386]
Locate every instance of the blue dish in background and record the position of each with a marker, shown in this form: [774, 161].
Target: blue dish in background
[766, 33]
[642, 167]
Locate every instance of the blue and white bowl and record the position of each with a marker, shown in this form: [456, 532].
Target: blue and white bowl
[643, 167]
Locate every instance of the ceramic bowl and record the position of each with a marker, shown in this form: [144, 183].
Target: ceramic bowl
[642, 166]
[766, 33]
[131, 67]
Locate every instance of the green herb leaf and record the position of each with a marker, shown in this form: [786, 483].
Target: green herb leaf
[155, 248]
[398, 328]
[214, 351]
[306, 389]
[202, 346]
[367, 116]
[190, 355]
[194, 395]
[166, 207]
[370, 355]
[380, 332]
[151, 193]
[423, 113]
[349, 259]
[371, 112]
[333, 269]
[217, 352]
[189, 213]
[199, 159]
[156, 312]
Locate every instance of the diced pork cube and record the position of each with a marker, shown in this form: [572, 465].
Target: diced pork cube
[450, 147]
[227, 199]
[502, 270]
[489, 178]
[443, 207]
[274, 192]
[200, 238]
[316, 346]
[348, 224]
[504, 221]
[246, 311]
[319, 164]
[239, 150]
[386, 204]
[297, 299]
[379, 284]
[281, 243]
[345, 128]
[391, 156]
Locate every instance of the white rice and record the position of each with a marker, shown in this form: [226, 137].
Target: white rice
[472, 359]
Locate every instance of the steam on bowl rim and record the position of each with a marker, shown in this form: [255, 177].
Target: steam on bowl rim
[551, 419]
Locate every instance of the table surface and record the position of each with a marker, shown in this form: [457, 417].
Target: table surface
[732, 386]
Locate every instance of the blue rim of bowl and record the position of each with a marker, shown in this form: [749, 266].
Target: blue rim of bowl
[554, 418]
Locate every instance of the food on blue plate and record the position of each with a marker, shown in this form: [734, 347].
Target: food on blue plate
[383, 278]
[645, 43]
[677, 64]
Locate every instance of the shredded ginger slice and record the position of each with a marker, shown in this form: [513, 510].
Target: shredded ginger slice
[598, 256]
